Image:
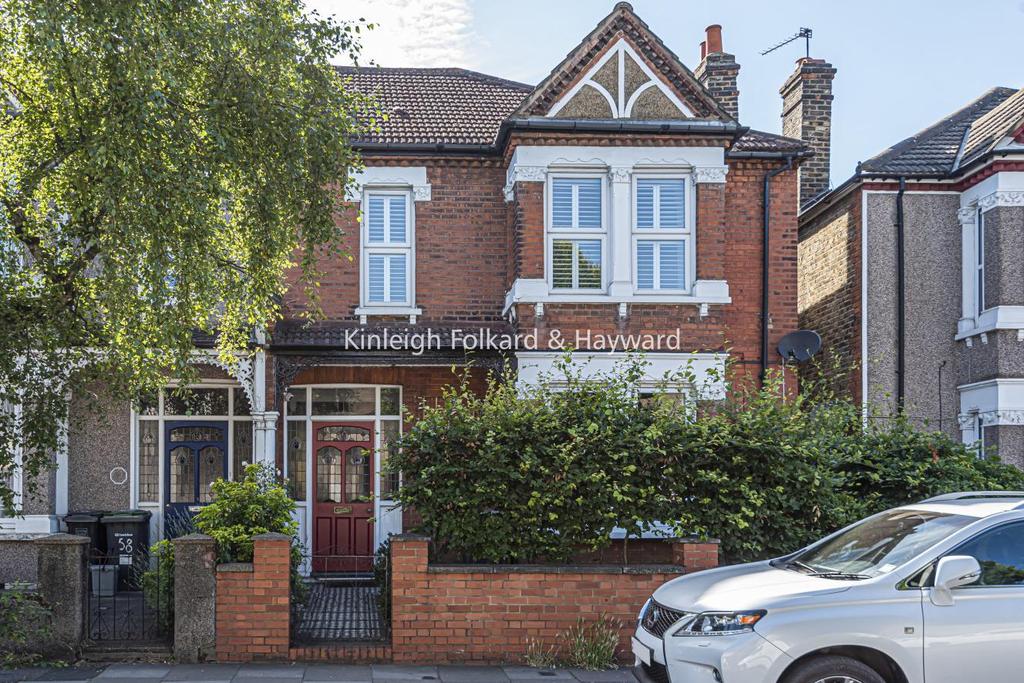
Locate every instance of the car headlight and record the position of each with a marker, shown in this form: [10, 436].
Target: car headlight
[721, 623]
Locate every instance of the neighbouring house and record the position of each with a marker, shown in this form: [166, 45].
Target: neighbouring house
[913, 269]
[620, 197]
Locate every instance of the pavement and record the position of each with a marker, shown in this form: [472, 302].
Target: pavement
[312, 673]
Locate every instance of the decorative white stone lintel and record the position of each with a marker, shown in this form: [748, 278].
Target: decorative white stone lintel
[710, 174]
[1002, 198]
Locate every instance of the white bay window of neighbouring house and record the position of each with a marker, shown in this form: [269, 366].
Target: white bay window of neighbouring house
[576, 230]
[387, 248]
[661, 234]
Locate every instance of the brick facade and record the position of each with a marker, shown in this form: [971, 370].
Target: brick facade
[452, 613]
[829, 282]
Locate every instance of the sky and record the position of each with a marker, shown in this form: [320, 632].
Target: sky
[902, 64]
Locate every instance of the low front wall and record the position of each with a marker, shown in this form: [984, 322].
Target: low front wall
[253, 610]
[18, 558]
[492, 614]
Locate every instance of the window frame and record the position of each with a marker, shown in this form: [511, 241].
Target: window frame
[686, 234]
[574, 234]
[979, 263]
[162, 416]
[387, 248]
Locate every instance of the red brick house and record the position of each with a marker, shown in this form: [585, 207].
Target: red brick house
[620, 196]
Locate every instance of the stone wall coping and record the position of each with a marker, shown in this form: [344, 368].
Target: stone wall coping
[666, 539]
[272, 537]
[555, 569]
[20, 537]
[238, 567]
[62, 539]
[193, 538]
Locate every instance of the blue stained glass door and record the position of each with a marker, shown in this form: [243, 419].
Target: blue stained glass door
[196, 455]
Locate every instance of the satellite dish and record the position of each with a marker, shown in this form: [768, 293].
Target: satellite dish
[799, 346]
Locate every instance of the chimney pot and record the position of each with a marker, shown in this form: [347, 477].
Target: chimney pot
[703, 49]
[714, 38]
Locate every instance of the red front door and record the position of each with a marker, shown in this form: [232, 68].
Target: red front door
[343, 511]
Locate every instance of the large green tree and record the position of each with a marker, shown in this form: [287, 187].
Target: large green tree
[163, 163]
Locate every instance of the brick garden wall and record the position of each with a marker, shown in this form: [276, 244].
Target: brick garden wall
[253, 618]
[453, 613]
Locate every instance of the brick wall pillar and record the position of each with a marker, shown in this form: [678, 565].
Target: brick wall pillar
[62, 577]
[253, 603]
[409, 553]
[195, 591]
[694, 554]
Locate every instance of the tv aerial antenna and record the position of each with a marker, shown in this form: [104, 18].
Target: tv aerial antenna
[804, 33]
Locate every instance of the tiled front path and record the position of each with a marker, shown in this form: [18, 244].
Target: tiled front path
[334, 613]
[313, 673]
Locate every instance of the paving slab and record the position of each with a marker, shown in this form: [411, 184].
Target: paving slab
[401, 672]
[472, 674]
[22, 674]
[72, 673]
[526, 673]
[328, 673]
[202, 672]
[270, 671]
[121, 671]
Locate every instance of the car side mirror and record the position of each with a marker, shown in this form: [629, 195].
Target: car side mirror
[952, 572]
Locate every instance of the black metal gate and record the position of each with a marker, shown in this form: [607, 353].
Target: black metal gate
[130, 598]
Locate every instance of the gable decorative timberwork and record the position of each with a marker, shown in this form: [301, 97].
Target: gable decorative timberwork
[596, 80]
[620, 85]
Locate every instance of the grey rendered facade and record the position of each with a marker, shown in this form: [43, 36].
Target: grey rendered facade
[942, 214]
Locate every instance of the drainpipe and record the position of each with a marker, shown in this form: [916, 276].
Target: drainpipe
[900, 299]
[765, 261]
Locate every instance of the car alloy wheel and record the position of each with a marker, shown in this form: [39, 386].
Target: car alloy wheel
[838, 679]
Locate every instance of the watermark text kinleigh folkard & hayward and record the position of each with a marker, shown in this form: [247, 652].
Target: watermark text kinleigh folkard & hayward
[419, 341]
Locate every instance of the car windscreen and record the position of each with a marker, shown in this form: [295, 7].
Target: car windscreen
[877, 545]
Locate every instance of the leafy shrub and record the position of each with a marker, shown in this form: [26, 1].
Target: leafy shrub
[502, 476]
[158, 583]
[25, 633]
[257, 504]
[509, 475]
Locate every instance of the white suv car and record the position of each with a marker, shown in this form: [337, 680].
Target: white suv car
[926, 593]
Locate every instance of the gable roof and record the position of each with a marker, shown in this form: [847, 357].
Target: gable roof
[986, 131]
[453, 107]
[436, 106]
[622, 23]
[934, 151]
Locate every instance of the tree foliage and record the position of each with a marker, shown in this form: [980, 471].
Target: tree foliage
[162, 164]
[513, 475]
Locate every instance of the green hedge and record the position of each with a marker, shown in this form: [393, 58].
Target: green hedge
[513, 476]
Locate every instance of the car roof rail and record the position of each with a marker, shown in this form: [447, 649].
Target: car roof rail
[967, 495]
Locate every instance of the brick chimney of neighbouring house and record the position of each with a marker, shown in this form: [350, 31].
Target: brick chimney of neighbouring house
[718, 71]
[807, 115]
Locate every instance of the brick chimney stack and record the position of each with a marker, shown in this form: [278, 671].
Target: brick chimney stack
[807, 115]
[718, 71]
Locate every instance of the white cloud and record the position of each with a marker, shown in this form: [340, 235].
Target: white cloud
[410, 32]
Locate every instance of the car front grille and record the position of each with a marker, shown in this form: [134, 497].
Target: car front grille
[657, 619]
